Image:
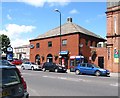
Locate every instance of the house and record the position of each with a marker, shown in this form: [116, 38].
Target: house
[75, 43]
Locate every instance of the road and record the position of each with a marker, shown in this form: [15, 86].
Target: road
[65, 84]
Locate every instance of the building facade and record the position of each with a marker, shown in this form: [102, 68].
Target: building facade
[22, 52]
[109, 57]
[75, 44]
[113, 35]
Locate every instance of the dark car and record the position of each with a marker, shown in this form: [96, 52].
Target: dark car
[6, 62]
[53, 67]
[17, 62]
[12, 84]
[87, 68]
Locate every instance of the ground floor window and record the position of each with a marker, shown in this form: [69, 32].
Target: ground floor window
[37, 59]
[49, 58]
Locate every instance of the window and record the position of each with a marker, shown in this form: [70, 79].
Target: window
[64, 42]
[37, 45]
[114, 24]
[83, 65]
[86, 42]
[89, 65]
[50, 44]
[91, 43]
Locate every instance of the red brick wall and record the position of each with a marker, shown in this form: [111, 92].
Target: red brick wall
[44, 50]
[73, 46]
[101, 52]
[113, 66]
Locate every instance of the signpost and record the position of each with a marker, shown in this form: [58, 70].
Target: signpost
[9, 53]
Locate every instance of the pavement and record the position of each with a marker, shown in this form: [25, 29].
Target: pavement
[68, 71]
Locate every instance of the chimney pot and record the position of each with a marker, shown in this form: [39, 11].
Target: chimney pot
[69, 19]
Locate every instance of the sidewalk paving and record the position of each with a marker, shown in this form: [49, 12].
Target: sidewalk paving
[68, 71]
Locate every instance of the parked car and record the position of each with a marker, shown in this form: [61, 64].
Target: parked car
[92, 69]
[53, 67]
[12, 83]
[6, 62]
[17, 62]
[30, 65]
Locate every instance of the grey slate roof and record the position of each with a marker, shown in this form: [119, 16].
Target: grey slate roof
[68, 28]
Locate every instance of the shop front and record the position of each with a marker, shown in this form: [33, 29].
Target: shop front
[63, 58]
[74, 61]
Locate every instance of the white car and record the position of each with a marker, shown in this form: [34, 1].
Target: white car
[30, 65]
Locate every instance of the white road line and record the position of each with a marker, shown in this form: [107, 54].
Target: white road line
[68, 79]
[115, 84]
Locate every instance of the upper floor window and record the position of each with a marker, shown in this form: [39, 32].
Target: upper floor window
[37, 45]
[64, 42]
[86, 42]
[50, 44]
[114, 24]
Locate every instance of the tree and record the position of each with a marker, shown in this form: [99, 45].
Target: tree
[4, 42]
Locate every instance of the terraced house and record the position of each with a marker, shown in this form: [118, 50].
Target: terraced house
[76, 43]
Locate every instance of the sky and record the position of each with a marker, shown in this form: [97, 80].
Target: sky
[22, 20]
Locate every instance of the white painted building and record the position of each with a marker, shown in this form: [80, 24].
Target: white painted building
[22, 52]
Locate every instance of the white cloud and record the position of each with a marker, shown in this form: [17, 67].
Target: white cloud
[19, 42]
[9, 17]
[74, 11]
[36, 3]
[41, 3]
[13, 31]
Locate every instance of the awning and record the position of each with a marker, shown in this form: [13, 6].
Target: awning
[63, 53]
[79, 57]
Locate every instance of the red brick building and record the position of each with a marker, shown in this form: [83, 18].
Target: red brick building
[113, 36]
[109, 57]
[75, 43]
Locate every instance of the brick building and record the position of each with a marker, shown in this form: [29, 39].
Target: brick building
[75, 43]
[109, 56]
[113, 36]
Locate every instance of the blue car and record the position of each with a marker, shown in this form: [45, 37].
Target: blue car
[87, 68]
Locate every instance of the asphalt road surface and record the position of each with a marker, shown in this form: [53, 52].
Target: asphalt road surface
[41, 83]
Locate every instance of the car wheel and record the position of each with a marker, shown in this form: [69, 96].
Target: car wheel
[32, 68]
[77, 72]
[56, 70]
[23, 68]
[97, 73]
[44, 69]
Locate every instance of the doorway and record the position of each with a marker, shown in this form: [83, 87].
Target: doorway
[101, 62]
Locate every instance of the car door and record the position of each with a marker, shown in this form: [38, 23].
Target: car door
[89, 69]
[29, 65]
[25, 65]
[83, 67]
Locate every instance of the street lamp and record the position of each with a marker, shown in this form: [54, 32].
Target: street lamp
[56, 10]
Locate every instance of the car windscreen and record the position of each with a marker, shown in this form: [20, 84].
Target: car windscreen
[9, 77]
[95, 66]
[33, 63]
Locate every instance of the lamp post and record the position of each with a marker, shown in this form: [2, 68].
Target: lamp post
[56, 10]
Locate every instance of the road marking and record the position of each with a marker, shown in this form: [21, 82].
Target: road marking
[68, 79]
[115, 84]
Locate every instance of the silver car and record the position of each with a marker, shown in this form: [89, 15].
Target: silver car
[30, 65]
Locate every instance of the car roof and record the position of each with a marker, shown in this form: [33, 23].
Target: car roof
[7, 66]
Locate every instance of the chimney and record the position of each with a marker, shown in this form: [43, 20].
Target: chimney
[69, 19]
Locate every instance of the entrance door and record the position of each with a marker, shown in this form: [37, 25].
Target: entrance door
[101, 62]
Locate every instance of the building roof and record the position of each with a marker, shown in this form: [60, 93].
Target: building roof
[68, 28]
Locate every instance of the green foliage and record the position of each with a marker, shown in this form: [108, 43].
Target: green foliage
[4, 42]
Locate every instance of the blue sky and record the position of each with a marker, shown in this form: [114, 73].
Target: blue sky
[23, 21]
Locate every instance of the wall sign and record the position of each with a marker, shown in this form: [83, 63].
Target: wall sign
[9, 49]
